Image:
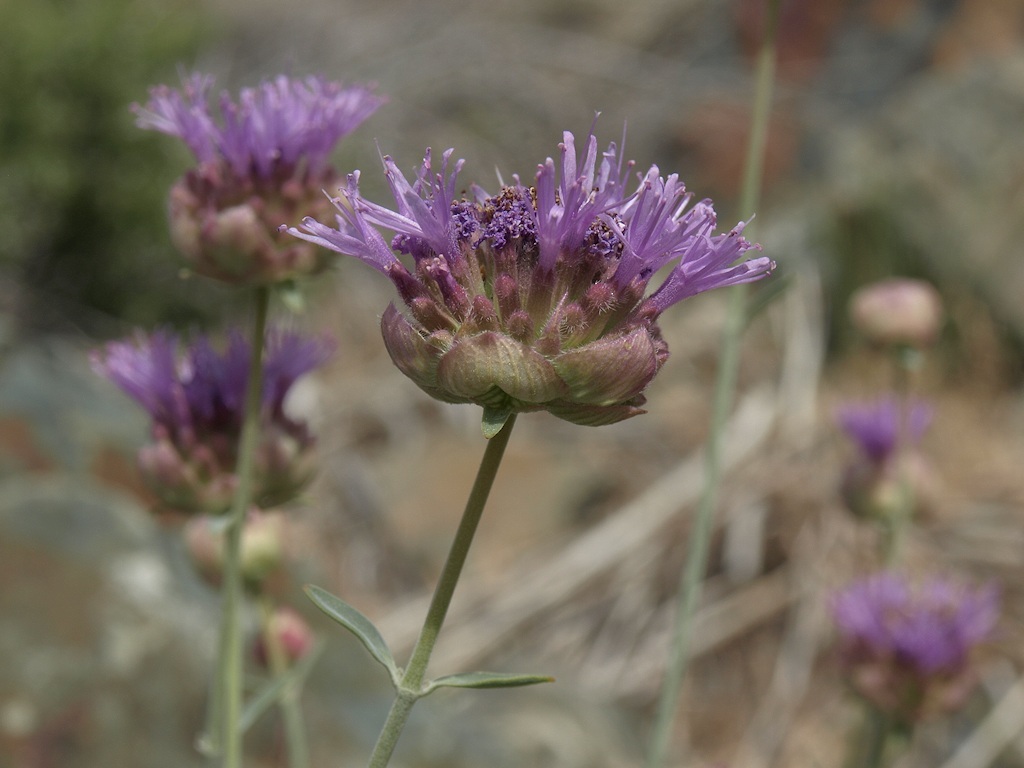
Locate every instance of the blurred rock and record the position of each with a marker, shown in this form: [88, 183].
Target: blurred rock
[106, 637]
[109, 647]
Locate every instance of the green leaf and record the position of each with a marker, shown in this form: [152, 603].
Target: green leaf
[486, 680]
[262, 701]
[357, 624]
[494, 420]
[273, 690]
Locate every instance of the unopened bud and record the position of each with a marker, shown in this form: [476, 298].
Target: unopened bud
[898, 312]
[291, 634]
[260, 553]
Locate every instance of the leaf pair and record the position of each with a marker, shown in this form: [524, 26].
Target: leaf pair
[360, 626]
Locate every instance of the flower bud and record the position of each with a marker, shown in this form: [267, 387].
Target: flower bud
[260, 552]
[289, 631]
[898, 312]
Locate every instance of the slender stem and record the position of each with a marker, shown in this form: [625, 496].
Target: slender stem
[869, 744]
[905, 363]
[230, 668]
[412, 680]
[697, 554]
[291, 713]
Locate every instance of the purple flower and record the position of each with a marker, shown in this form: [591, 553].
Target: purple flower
[261, 162]
[907, 647]
[282, 128]
[196, 400]
[536, 298]
[876, 427]
[889, 476]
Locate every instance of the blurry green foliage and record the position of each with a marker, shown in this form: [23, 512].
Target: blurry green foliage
[83, 232]
[863, 244]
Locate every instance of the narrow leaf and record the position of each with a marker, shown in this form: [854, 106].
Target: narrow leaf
[357, 624]
[261, 702]
[494, 420]
[274, 689]
[486, 680]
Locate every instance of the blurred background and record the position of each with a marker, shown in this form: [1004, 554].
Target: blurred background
[895, 149]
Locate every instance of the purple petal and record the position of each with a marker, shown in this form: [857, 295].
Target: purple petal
[281, 123]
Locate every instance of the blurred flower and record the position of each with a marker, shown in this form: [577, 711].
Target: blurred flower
[898, 312]
[907, 648]
[262, 164]
[889, 472]
[196, 401]
[536, 298]
[290, 631]
[261, 551]
[878, 428]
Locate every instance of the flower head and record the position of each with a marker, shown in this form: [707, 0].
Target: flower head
[877, 428]
[261, 163]
[196, 402]
[536, 297]
[889, 475]
[907, 648]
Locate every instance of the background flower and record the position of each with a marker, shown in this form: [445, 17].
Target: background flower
[907, 647]
[889, 475]
[878, 427]
[196, 402]
[261, 162]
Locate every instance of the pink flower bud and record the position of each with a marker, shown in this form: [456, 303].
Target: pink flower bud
[898, 312]
[289, 631]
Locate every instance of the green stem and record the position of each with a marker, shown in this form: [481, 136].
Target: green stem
[291, 713]
[896, 527]
[870, 742]
[411, 684]
[230, 667]
[725, 386]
